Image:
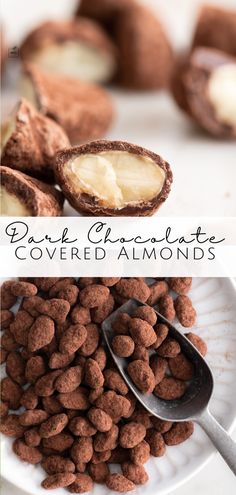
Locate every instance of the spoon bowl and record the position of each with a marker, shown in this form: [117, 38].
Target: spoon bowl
[194, 403]
[198, 392]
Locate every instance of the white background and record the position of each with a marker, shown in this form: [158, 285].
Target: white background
[205, 165]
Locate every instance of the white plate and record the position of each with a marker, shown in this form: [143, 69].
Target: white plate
[214, 300]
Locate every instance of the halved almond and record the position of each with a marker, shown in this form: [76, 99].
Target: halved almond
[113, 178]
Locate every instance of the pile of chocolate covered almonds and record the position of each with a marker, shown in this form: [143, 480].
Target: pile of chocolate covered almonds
[63, 399]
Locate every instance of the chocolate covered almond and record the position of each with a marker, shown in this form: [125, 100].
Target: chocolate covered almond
[30, 141]
[104, 11]
[216, 28]
[3, 49]
[21, 195]
[84, 110]
[210, 84]
[145, 53]
[177, 85]
[113, 178]
[77, 48]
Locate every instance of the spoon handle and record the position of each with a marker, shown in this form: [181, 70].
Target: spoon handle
[219, 437]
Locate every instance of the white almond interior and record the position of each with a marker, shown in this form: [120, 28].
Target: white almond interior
[115, 178]
[76, 59]
[11, 206]
[222, 93]
[7, 130]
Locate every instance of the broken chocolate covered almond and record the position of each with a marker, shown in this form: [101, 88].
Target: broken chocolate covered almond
[113, 178]
[216, 28]
[78, 48]
[145, 53]
[30, 141]
[210, 84]
[84, 110]
[21, 195]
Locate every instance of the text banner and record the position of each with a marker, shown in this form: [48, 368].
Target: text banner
[92, 246]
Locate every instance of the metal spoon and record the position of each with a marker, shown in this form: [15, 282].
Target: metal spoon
[194, 404]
